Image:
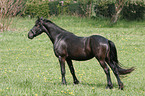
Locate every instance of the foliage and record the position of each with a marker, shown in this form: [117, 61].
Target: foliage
[63, 7]
[86, 6]
[70, 7]
[105, 9]
[108, 8]
[134, 10]
[37, 8]
[53, 8]
[8, 9]
[29, 67]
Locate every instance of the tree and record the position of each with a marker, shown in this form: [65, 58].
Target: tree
[118, 8]
[86, 6]
[8, 9]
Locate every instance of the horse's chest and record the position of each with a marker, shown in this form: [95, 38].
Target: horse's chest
[60, 48]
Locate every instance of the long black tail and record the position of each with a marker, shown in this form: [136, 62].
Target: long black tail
[114, 60]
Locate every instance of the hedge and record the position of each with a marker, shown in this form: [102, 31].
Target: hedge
[37, 9]
[105, 9]
[53, 8]
[70, 8]
[131, 11]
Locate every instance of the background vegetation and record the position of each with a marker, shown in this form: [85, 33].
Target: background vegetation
[37, 8]
[29, 67]
[112, 9]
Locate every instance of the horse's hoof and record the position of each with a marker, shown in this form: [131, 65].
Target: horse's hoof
[109, 86]
[121, 87]
[64, 83]
[76, 82]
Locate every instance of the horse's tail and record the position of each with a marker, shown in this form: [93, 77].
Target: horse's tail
[114, 60]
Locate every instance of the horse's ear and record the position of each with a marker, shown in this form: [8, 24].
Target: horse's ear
[41, 20]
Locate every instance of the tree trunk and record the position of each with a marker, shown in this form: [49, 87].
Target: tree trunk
[118, 8]
[115, 17]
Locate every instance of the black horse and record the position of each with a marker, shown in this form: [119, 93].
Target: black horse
[68, 47]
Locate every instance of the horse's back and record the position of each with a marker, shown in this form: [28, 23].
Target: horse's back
[99, 38]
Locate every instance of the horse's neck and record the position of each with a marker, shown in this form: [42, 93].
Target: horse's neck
[53, 32]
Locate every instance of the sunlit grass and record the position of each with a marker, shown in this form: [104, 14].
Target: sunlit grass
[30, 68]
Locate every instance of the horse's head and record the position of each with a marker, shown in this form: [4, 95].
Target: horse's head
[37, 29]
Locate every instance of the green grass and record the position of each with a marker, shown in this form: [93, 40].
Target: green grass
[29, 67]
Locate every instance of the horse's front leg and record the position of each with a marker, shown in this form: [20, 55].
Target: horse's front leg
[62, 66]
[69, 62]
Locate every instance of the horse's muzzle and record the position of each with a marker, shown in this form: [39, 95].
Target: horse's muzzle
[30, 35]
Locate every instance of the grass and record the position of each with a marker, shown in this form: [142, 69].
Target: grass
[29, 67]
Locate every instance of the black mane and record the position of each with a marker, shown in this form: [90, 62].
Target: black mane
[57, 27]
[45, 20]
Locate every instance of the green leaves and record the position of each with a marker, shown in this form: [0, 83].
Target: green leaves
[35, 9]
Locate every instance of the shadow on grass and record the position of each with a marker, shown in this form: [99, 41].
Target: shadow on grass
[94, 84]
[99, 85]
[28, 84]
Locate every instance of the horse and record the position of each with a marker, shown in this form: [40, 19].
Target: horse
[67, 47]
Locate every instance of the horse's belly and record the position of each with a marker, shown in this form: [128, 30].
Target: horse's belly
[80, 56]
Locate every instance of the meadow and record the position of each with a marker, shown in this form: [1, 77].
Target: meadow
[30, 68]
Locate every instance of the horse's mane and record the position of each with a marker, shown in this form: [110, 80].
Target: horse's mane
[48, 21]
[45, 20]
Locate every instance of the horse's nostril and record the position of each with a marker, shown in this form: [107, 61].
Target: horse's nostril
[30, 35]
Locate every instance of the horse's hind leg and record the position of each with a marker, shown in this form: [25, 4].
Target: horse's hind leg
[116, 73]
[107, 72]
[69, 62]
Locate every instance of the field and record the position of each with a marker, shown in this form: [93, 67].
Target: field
[30, 68]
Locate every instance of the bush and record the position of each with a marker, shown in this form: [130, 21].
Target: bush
[37, 9]
[41, 8]
[53, 6]
[105, 9]
[133, 10]
[77, 9]
[70, 8]
[74, 8]
[8, 9]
